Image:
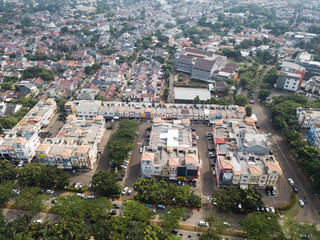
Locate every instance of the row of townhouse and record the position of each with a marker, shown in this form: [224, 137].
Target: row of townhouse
[149, 111]
[75, 146]
[244, 157]
[22, 140]
[169, 152]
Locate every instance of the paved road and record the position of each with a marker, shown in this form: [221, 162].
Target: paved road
[132, 70]
[171, 88]
[207, 182]
[133, 169]
[310, 213]
[12, 214]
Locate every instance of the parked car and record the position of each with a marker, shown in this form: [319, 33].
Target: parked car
[141, 150]
[214, 202]
[16, 191]
[227, 224]
[130, 191]
[174, 231]
[268, 192]
[161, 206]
[37, 221]
[90, 197]
[267, 209]
[20, 163]
[116, 206]
[211, 149]
[203, 224]
[80, 195]
[50, 192]
[273, 192]
[252, 102]
[262, 209]
[123, 173]
[194, 183]
[125, 190]
[291, 182]
[295, 189]
[113, 212]
[73, 185]
[301, 203]
[272, 209]
[149, 205]
[54, 201]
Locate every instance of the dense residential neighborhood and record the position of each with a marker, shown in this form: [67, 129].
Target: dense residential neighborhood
[159, 119]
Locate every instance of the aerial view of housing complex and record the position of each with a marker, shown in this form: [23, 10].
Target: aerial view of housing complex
[159, 119]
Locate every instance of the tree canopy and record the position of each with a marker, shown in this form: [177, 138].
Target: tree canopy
[105, 183]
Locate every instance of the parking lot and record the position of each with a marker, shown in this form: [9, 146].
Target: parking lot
[206, 180]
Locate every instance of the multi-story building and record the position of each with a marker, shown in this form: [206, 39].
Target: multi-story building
[308, 116]
[243, 156]
[290, 77]
[313, 135]
[148, 111]
[22, 140]
[200, 64]
[169, 153]
[75, 146]
[312, 67]
[313, 85]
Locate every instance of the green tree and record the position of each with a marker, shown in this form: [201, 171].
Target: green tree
[137, 212]
[30, 199]
[170, 219]
[241, 100]
[19, 225]
[113, 228]
[154, 232]
[74, 206]
[196, 100]
[69, 229]
[5, 191]
[264, 93]
[7, 171]
[105, 183]
[248, 111]
[261, 226]
[30, 174]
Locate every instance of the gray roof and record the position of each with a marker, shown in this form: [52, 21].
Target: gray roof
[203, 64]
[191, 93]
[197, 51]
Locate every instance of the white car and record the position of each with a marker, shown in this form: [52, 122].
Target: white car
[227, 224]
[130, 191]
[16, 191]
[203, 224]
[80, 195]
[140, 150]
[20, 163]
[291, 182]
[272, 209]
[38, 221]
[214, 202]
[125, 190]
[301, 203]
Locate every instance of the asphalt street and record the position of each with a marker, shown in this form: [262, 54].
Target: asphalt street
[310, 213]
